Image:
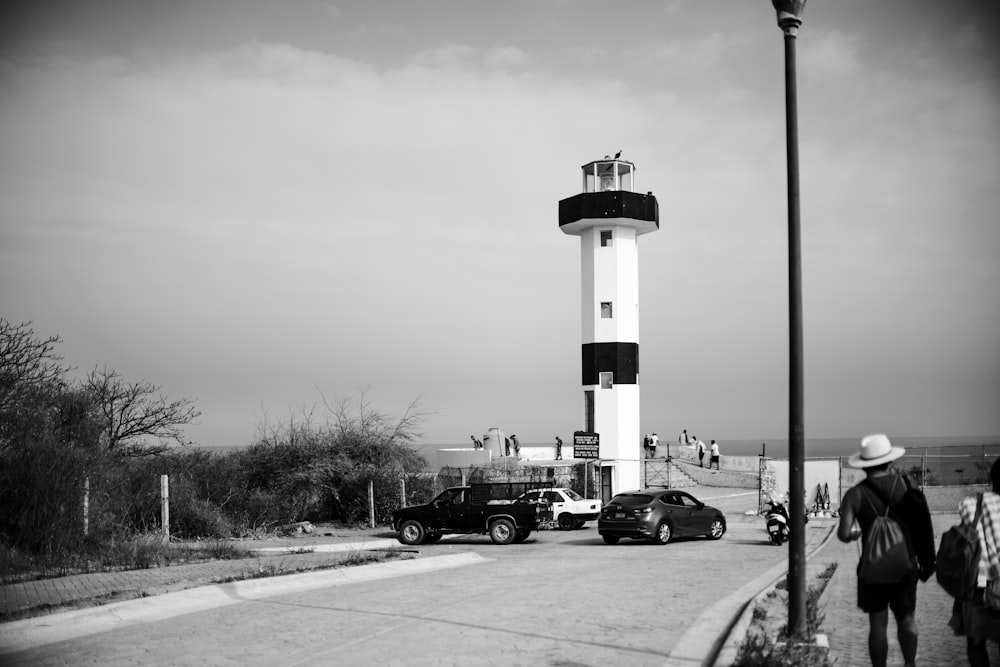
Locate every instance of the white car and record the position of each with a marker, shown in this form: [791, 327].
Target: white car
[569, 509]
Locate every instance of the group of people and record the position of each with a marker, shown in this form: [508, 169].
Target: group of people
[512, 440]
[507, 442]
[699, 445]
[883, 489]
[649, 444]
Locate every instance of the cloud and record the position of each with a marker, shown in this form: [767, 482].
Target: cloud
[245, 225]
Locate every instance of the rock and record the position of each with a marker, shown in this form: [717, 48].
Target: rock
[298, 528]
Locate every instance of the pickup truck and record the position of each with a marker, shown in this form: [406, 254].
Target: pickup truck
[479, 508]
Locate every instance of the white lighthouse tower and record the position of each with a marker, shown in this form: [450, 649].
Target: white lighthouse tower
[609, 216]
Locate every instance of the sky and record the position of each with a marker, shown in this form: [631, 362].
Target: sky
[259, 205]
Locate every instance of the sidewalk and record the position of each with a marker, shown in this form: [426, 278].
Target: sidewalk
[846, 626]
[271, 558]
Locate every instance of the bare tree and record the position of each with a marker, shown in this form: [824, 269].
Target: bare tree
[27, 363]
[363, 420]
[136, 420]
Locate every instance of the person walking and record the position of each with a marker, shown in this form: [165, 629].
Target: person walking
[701, 453]
[683, 438]
[971, 617]
[558, 448]
[517, 446]
[884, 490]
[654, 440]
[714, 456]
[645, 446]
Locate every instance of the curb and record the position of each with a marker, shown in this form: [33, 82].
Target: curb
[724, 651]
[382, 543]
[34, 632]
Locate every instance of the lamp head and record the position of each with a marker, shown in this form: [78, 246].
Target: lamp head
[789, 14]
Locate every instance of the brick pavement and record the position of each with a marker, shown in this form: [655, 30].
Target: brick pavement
[847, 626]
[26, 598]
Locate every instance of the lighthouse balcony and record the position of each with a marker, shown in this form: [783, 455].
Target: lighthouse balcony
[619, 207]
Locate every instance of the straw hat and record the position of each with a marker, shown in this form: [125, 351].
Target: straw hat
[875, 450]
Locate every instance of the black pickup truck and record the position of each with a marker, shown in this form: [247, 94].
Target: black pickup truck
[479, 508]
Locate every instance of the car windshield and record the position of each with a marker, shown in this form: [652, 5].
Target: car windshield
[632, 499]
[573, 495]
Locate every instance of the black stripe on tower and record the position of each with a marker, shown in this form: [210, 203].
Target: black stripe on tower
[622, 359]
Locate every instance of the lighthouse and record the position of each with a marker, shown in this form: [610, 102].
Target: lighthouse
[609, 216]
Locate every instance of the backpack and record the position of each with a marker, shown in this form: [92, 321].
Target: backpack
[958, 557]
[885, 558]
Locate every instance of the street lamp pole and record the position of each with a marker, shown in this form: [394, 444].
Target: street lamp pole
[789, 19]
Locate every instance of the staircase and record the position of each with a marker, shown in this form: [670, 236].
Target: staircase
[663, 473]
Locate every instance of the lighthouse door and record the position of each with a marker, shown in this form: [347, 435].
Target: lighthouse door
[606, 494]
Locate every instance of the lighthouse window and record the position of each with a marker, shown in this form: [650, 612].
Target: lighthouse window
[606, 236]
[605, 310]
[607, 379]
[588, 411]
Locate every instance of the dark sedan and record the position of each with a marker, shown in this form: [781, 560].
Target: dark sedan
[659, 515]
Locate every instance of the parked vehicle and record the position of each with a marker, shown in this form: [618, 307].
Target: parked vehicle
[479, 508]
[776, 519]
[569, 509]
[659, 515]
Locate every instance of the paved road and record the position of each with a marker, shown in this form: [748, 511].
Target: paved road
[562, 598]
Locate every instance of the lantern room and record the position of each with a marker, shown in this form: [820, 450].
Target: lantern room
[609, 197]
[609, 174]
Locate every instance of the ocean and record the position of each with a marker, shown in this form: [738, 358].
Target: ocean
[815, 447]
[938, 460]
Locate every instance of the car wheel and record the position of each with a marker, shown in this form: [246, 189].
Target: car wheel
[521, 536]
[610, 539]
[663, 533]
[411, 532]
[567, 521]
[502, 531]
[717, 529]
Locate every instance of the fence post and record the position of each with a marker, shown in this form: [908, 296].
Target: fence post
[402, 492]
[165, 506]
[86, 506]
[371, 503]
[923, 470]
[840, 481]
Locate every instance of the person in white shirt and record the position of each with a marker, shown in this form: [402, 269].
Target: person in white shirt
[715, 456]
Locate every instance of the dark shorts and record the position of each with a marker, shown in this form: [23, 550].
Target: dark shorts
[901, 597]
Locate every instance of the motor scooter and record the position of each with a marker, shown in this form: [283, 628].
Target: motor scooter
[777, 523]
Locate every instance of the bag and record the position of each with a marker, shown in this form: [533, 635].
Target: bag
[991, 595]
[885, 558]
[958, 557]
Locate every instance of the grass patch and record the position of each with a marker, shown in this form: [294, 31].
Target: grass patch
[138, 552]
[760, 650]
[277, 567]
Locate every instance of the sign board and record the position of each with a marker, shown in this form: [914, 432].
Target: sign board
[586, 445]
